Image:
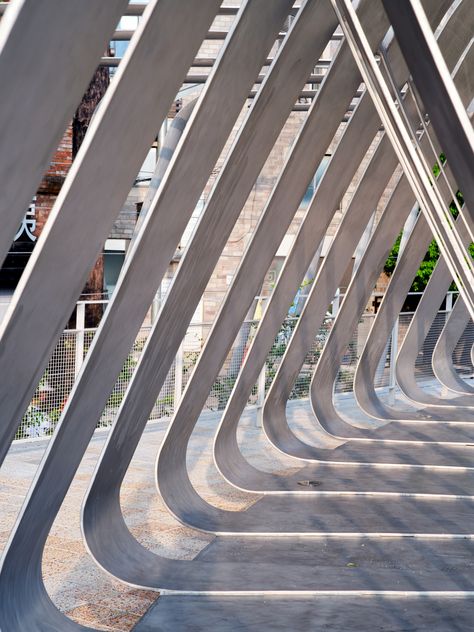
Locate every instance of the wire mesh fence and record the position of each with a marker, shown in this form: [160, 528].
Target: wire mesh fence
[57, 381]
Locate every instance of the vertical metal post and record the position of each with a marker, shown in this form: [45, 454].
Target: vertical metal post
[80, 327]
[155, 306]
[335, 308]
[393, 358]
[178, 375]
[449, 309]
[161, 137]
[336, 302]
[261, 395]
[449, 303]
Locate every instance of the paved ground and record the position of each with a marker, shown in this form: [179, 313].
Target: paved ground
[299, 614]
[74, 582]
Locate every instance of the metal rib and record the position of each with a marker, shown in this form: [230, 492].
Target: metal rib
[196, 393]
[323, 288]
[442, 359]
[31, 128]
[314, 225]
[342, 517]
[236, 469]
[345, 323]
[255, 141]
[49, 287]
[417, 332]
[417, 170]
[100, 175]
[364, 381]
[435, 86]
[187, 506]
[365, 373]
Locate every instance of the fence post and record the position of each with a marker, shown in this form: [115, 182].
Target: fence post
[80, 326]
[178, 375]
[261, 396]
[449, 303]
[335, 303]
[392, 382]
[449, 307]
[155, 306]
[335, 308]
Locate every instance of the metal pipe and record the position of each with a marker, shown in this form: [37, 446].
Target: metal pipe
[204, 62]
[124, 35]
[138, 8]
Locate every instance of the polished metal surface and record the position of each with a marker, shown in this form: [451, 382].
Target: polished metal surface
[434, 84]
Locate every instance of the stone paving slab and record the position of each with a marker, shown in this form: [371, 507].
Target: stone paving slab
[185, 613]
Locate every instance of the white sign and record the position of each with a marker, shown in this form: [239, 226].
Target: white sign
[28, 225]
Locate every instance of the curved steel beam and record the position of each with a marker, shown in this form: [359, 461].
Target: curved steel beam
[50, 286]
[417, 169]
[258, 134]
[314, 225]
[306, 40]
[417, 332]
[375, 344]
[186, 504]
[336, 261]
[346, 320]
[396, 293]
[96, 543]
[322, 290]
[21, 588]
[442, 360]
[236, 469]
[364, 389]
[98, 164]
[435, 86]
[354, 303]
[194, 509]
[31, 123]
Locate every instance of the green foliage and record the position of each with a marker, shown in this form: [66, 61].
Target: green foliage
[221, 389]
[36, 423]
[166, 404]
[431, 257]
[436, 166]
[391, 262]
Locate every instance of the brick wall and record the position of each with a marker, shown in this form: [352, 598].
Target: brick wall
[53, 179]
[51, 185]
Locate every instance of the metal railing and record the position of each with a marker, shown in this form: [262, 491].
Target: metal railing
[64, 365]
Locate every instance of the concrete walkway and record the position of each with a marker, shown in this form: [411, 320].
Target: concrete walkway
[90, 597]
[77, 586]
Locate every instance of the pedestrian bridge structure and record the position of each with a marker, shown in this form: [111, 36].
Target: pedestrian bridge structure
[387, 485]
